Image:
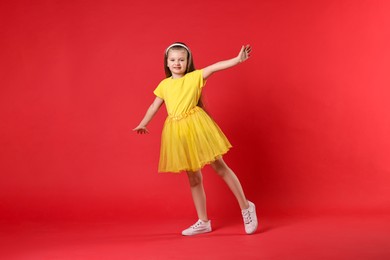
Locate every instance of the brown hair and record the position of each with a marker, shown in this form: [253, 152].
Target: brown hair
[190, 64]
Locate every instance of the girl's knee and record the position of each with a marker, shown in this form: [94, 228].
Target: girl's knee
[195, 178]
[222, 172]
[220, 168]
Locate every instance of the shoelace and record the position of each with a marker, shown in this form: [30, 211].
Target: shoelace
[197, 224]
[247, 217]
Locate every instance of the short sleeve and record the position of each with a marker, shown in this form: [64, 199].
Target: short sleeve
[159, 91]
[202, 82]
[197, 78]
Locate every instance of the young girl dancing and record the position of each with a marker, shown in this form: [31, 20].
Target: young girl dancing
[190, 138]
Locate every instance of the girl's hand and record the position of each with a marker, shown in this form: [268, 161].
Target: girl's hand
[244, 53]
[141, 130]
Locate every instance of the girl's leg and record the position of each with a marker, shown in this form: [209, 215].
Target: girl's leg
[198, 194]
[248, 209]
[231, 180]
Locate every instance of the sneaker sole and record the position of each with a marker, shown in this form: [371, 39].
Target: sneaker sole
[197, 233]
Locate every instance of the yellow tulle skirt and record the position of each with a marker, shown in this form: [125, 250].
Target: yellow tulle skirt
[190, 141]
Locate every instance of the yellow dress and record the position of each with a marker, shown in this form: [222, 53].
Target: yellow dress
[190, 138]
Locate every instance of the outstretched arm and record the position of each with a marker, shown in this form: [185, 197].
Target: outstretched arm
[222, 65]
[152, 110]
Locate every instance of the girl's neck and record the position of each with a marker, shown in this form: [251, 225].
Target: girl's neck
[177, 76]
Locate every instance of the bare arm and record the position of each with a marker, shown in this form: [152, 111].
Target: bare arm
[222, 65]
[152, 110]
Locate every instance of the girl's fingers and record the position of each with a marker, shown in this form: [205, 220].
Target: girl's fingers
[141, 130]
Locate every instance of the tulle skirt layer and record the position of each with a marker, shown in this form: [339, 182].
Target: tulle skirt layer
[190, 141]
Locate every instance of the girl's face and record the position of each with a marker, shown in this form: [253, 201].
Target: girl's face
[177, 62]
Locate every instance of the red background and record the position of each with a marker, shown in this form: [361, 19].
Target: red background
[308, 114]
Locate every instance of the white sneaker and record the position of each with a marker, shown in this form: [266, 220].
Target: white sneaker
[250, 218]
[199, 227]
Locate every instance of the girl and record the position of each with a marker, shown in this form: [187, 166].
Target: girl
[190, 138]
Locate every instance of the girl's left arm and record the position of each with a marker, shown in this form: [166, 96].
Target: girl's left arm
[222, 65]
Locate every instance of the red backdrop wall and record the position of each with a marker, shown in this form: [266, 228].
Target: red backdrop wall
[308, 114]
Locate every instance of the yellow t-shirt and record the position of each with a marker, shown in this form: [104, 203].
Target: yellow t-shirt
[182, 94]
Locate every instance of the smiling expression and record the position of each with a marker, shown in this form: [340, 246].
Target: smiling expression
[177, 62]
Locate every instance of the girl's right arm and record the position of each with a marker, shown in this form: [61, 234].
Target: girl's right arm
[152, 110]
